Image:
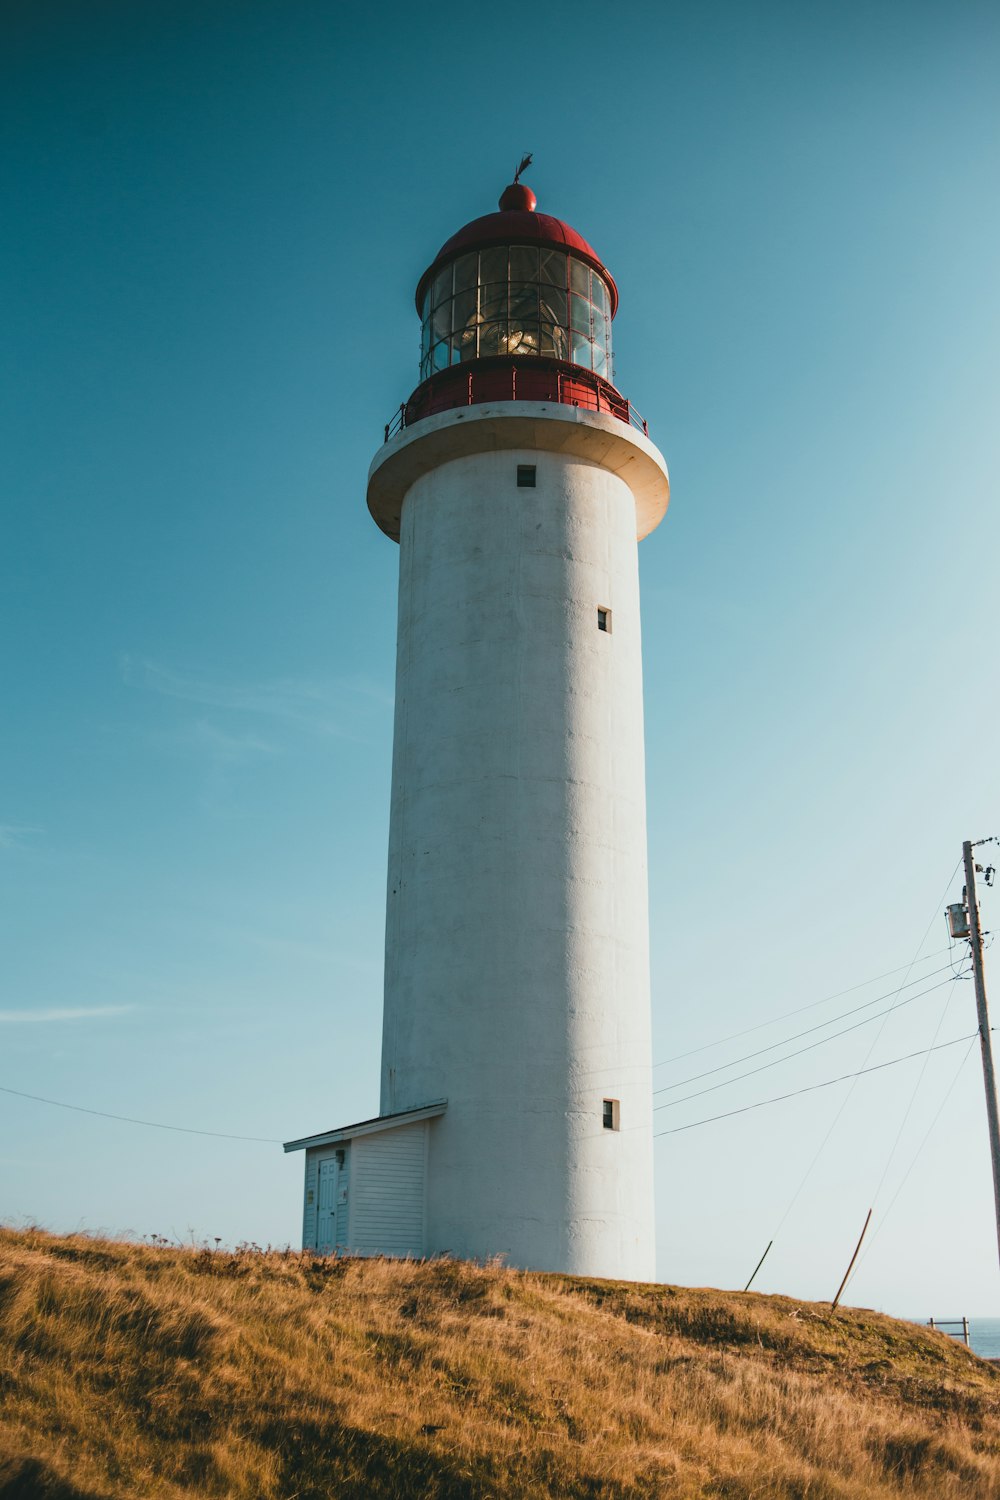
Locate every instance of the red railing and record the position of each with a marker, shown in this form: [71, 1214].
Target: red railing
[459, 387]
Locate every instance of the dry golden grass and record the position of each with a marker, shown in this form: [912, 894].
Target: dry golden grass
[134, 1371]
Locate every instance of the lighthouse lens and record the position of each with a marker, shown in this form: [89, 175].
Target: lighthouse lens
[522, 340]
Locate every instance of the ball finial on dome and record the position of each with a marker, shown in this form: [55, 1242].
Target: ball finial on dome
[518, 195]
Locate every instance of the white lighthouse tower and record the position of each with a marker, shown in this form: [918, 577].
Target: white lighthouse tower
[516, 1103]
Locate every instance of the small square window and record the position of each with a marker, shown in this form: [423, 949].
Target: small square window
[604, 619]
[611, 1114]
[526, 476]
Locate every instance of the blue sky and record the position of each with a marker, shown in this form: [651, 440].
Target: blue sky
[216, 216]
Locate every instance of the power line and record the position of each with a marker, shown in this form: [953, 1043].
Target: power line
[218, 1135]
[810, 1029]
[916, 1155]
[677, 1129]
[759, 1025]
[842, 1106]
[909, 1106]
[672, 1103]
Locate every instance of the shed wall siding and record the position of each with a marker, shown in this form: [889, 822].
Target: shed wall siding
[309, 1208]
[387, 1207]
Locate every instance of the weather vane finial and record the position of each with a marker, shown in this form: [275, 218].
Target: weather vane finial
[525, 164]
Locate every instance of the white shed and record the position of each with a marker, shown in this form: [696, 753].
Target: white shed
[365, 1185]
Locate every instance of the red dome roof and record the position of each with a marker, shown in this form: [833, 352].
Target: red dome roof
[516, 226]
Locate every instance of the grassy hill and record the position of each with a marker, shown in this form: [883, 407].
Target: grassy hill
[135, 1371]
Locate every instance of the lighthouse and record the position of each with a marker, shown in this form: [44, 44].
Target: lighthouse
[515, 1114]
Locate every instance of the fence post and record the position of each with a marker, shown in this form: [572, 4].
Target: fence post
[965, 1331]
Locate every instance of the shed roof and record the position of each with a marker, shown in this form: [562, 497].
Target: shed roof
[370, 1127]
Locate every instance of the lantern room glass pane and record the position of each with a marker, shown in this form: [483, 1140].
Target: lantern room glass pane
[553, 305]
[523, 301]
[579, 276]
[524, 263]
[466, 272]
[601, 360]
[579, 314]
[439, 357]
[493, 302]
[599, 294]
[441, 321]
[442, 286]
[464, 311]
[583, 350]
[493, 264]
[552, 267]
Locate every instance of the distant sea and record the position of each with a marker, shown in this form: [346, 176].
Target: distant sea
[984, 1335]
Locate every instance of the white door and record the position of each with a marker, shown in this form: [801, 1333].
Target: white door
[326, 1217]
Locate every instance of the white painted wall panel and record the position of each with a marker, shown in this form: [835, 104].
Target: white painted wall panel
[387, 1193]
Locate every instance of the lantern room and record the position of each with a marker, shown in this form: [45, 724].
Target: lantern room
[515, 306]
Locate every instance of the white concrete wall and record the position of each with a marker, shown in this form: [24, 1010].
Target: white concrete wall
[516, 979]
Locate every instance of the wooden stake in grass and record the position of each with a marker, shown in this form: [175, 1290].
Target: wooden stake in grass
[758, 1266]
[850, 1268]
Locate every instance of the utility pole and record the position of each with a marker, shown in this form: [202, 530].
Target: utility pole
[985, 1035]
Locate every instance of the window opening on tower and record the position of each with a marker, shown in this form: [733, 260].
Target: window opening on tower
[516, 299]
[611, 1114]
[526, 476]
[604, 619]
